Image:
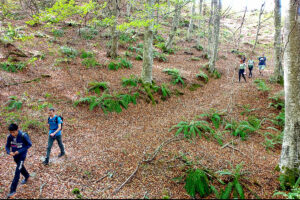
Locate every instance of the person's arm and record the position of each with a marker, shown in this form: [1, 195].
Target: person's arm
[7, 146]
[59, 126]
[27, 144]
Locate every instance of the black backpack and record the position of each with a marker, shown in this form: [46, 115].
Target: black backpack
[56, 121]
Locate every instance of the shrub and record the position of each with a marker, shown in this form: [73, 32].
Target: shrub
[261, 85]
[58, 32]
[213, 116]
[88, 33]
[165, 92]
[132, 81]
[14, 103]
[113, 66]
[271, 140]
[139, 57]
[125, 63]
[126, 38]
[12, 66]
[97, 86]
[90, 62]
[202, 76]
[86, 54]
[176, 77]
[197, 182]
[277, 101]
[68, 51]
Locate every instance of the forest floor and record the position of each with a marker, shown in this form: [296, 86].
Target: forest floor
[104, 150]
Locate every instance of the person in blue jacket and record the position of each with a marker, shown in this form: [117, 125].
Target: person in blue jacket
[16, 146]
[262, 64]
[55, 125]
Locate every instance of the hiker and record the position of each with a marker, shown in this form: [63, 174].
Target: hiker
[242, 70]
[250, 66]
[262, 64]
[243, 58]
[55, 127]
[17, 144]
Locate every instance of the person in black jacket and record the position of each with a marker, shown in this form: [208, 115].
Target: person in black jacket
[16, 146]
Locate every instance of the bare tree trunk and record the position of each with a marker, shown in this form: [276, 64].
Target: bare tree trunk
[175, 24]
[290, 154]
[200, 22]
[191, 25]
[148, 47]
[128, 8]
[113, 51]
[278, 72]
[200, 12]
[239, 37]
[157, 12]
[210, 21]
[262, 8]
[215, 42]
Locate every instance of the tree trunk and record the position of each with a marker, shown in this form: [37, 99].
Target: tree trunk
[290, 154]
[278, 72]
[113, 51]
[191, 25]
[242, 23]
[175, 24]
[210, 21]
[200, 22]
[259, 23]
[128, 8]
[215, 42]
[148, 45]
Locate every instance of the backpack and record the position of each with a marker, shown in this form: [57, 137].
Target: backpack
[56, 120]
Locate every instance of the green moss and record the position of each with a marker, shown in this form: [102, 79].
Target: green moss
[288, 178]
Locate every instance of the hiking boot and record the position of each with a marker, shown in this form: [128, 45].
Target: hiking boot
[61, 155]
[11, 195]
[25, 181]
[46, 161]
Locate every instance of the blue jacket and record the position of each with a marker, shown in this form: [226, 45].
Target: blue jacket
[21, 143]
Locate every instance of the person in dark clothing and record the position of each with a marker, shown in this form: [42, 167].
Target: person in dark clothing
[16, 146]
[242, 71]
[55, 124]
[262, 64]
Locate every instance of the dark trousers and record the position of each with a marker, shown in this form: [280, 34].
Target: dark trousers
[50, 143]
[241, 73]
[250, 71]
[19, 169]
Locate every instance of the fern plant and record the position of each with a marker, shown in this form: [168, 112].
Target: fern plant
[261, 85]
[247, 110]
[279, 120]
[213, 116]
[12, 66]
[294, 193]
[271, 140]
[176, 77]
[90, 62]
[197, 183]
[202, 76]
[277, 101]
[86, 54]
[165, 92]
[125, 63]
[191, 129]
[68, 51]
[132, 81]
[234, 185]
[97, 86]
[14, 103]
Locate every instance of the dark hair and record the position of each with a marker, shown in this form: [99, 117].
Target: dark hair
[13, 127]
[51, 109]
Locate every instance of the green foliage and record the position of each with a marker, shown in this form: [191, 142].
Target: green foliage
[88, 33]
[234, 186]
[289, 179]
[68, 51]
[12, 33]
[126, 38]
[213, 116]
[294, 193]
[216, 74]
[261, 85]
[123, 63]
[132, 81]
[139, 57]
[279, 120]
[86, 54]
[109, 103]
[191, 129]
[32, 124]
[165, 91]
[247, 110]
[158, 38]
[277, 101]
[14, 103]
[176, 77]
[12, 66]
[58, 32]
[97, 86]
[271, 140]
[197, 182]
[11, 117]
[160, 56]
[199, 48]
[76, 192]
[202, 76]
[90, 62]
[244, 128]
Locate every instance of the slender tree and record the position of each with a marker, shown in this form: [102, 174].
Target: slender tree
[200, 28]
[278, 72]
[290, 154]
[262, 8]
[216, 31]
[113, 50]
[128, 8]
[241, 27]
[175, 24]
[191, 24]
[210, 22]
[148, 44]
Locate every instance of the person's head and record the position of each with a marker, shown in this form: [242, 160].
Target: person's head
[13, 129]
[263, 55]
[51, 112]
[241, 61]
